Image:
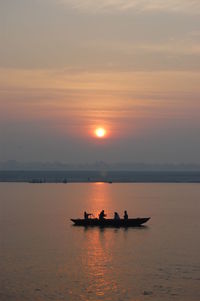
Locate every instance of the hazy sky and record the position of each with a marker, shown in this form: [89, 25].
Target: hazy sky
[69, 66]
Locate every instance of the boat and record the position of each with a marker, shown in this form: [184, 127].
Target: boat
[131, 222]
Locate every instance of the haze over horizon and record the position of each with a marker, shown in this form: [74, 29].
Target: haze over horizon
[13, 165]
[68, 67]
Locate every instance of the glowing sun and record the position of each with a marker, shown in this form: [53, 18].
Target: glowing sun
[100, 132]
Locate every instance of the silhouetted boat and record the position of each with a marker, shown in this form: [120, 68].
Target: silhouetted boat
[131, 222]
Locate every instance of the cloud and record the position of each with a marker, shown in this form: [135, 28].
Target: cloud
[110, 6]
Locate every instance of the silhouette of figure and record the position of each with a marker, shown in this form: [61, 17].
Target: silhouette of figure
[116, 216]
[125, 215]
[102, 215]
[86, 215]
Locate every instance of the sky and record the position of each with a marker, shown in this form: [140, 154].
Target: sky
[131, 67]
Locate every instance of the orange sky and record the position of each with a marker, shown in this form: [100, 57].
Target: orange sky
[133, 70]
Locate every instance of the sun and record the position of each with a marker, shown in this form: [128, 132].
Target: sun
[100, 132]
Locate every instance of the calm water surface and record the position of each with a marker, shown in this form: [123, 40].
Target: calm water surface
[43, 257]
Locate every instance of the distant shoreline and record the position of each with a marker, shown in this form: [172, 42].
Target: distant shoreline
[90, 176]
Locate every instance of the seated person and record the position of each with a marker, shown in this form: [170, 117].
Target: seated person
[86, 215]
[125, 215]
[102, 215]
[116, 216]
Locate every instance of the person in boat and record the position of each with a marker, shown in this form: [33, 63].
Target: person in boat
[86, 215]
[125, 215]
[116, 216]
[102, 215]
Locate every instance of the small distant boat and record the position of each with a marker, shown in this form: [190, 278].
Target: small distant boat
[36, 181]
[131, 222]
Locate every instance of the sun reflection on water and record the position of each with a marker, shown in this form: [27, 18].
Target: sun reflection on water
[103, 267]
[100, 198]
[98, 262]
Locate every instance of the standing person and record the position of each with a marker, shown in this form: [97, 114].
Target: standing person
[125, 215]
[102, 215]
[116, 216]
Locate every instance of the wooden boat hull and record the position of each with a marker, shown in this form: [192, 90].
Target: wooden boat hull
[131, 222]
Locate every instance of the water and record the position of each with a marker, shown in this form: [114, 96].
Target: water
[43, 257]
